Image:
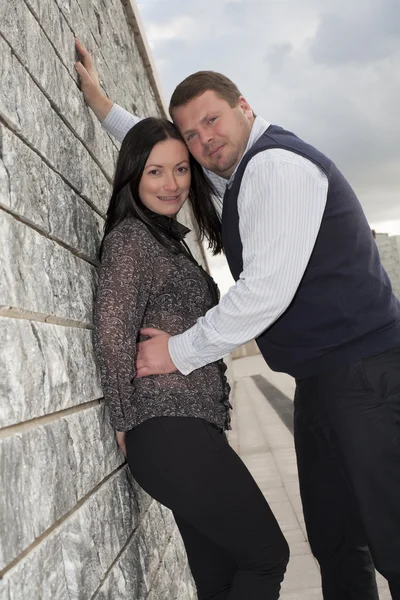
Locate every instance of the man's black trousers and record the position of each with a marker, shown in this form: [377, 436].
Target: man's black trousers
[347, 436]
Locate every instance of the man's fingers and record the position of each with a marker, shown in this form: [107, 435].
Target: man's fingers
[152, 332]
[86, 56]
[86, 61]
[143, 372]
[140, 351]
[140, 363]
[82, 72]
[80, 47]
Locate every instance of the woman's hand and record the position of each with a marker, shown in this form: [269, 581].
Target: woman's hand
[90, 84]
[120, 435]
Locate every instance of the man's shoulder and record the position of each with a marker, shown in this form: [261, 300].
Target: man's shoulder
[268, 158]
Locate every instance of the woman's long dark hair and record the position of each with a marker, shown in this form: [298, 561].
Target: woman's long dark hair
[125, 200]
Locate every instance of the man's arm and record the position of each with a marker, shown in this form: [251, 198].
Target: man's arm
[114, 119]
[279, 218]
[119, 121]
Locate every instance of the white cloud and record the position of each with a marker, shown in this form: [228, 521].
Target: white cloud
[329, 73]
[179, 27]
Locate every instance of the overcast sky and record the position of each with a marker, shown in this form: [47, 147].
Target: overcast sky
[329, 71]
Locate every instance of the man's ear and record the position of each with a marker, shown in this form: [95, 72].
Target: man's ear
[246, 108]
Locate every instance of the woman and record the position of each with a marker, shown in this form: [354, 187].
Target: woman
[172, 426]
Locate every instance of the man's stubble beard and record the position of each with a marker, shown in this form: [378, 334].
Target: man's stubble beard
[227, 172]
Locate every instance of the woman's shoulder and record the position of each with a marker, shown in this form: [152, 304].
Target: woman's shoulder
[130, 240]
[129, 232]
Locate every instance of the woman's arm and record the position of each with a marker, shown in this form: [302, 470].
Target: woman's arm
[123, 292]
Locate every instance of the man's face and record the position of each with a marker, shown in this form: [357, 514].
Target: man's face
[215, 133]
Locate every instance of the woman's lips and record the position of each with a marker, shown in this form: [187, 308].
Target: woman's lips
[169, 198]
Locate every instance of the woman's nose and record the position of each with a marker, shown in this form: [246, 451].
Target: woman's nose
[171, 184]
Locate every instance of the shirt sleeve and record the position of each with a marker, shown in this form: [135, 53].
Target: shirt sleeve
[123, 291]
[280, 213]
[119, 121]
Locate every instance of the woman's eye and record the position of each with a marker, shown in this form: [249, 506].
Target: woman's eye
[183, 169]
[153, 172]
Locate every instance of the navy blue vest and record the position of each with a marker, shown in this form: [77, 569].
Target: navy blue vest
[344, 308]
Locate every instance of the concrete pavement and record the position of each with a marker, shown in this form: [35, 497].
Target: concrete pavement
[263, 438]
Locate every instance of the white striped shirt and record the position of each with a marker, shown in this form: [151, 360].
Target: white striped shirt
[281, 202]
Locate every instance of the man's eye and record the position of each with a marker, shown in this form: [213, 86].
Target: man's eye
[212, 119]
[190, 137]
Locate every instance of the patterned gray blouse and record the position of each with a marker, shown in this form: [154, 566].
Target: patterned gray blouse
[144, 284]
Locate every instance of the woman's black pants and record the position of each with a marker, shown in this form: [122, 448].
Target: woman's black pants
[235, 548]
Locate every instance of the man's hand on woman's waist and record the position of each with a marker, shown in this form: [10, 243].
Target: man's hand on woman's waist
[153, 357]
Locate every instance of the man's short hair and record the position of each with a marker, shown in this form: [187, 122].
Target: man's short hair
[200, 82]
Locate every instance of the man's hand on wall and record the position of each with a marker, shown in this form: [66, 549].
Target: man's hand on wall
[90, 84]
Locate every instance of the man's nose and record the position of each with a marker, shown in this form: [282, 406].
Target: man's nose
[206, 137]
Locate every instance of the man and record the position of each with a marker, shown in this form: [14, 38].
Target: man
[310, 288]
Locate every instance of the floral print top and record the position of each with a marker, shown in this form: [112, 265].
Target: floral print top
[142, 283]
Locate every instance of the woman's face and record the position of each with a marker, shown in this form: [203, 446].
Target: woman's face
[165, 182]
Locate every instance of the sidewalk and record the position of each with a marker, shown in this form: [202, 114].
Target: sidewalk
[262, 436]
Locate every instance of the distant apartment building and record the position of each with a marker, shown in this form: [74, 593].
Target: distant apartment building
[389, 250]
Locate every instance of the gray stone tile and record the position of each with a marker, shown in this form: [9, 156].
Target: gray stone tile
[384, 593]
[43, 369]
[303, 578]
[299, 548]
[285, 515]
[309, 594]
[278, 439]
[295, 535]
[153, 566]
[303, 527]
[276, 494]
[262, 467]
[46, 132]
[40, 576]
[302, 573]
[53, 467]
[35, 192]
[298, 509]
[32, 50]
[292, 488]
[64, 289]
[4, 590]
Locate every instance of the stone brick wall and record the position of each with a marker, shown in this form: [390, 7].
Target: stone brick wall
[389, 250]
[73, 523]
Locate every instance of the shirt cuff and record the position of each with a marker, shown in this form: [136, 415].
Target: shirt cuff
[118, 122]
[182, 352]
